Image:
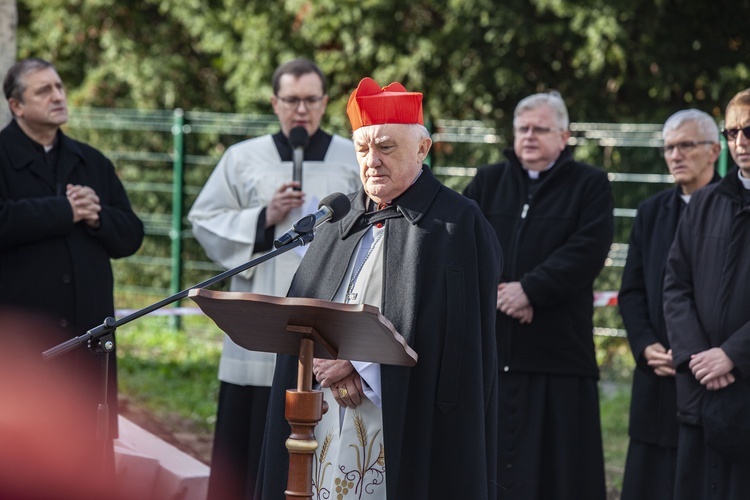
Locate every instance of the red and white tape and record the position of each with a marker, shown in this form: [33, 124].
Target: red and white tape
[603, 299]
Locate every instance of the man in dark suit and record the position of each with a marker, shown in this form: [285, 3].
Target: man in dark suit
[63, 215]
[690, 150]
[708, 325]
[553, 218]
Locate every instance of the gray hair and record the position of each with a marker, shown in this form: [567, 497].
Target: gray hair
[553, 99]
[420, 131]
[707, 127]
[14, 84]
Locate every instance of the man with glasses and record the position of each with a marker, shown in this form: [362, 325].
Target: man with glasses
[249, 200]
[706, 290]
[691, 148]
[553, 217]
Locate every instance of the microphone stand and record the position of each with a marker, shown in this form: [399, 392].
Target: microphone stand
[101, 339]
[98, 334]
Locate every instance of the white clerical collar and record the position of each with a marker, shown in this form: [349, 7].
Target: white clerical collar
[534, 174]
[744, 180]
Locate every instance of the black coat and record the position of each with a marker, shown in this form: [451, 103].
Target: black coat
[441, 268]
[653, 407]
[706, 286]
[48, 264]
[555, 244]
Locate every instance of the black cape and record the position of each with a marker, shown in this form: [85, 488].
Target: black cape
[442, 265]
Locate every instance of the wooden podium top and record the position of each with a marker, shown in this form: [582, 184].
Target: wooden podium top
[356, 332]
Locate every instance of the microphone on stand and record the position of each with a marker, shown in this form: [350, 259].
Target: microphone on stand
[333, 207]
[298, 139]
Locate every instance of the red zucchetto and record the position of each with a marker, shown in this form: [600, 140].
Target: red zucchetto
[371, 105]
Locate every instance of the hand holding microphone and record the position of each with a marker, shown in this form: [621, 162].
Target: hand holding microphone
[285, 199]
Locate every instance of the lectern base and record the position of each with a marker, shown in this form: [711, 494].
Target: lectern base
[303, 411]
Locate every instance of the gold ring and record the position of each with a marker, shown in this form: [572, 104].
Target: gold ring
[343, 392]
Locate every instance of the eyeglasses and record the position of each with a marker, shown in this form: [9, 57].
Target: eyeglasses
[683, 147]
[525, 129]
[293, 102]
[731, 134]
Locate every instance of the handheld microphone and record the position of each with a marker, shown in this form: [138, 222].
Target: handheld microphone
[333, 207]
[298, 139]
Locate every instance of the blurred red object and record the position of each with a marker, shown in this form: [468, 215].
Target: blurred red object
[48, 445]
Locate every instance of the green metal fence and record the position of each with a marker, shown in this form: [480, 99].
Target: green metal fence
[164, 158]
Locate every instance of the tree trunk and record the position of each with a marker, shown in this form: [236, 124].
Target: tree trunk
[8, 26]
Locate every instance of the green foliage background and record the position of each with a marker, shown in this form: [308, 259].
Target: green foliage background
[612, 60]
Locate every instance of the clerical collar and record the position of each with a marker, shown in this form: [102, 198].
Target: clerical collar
[744, 180]
[534, 174]
[316, 149]
[44, 148]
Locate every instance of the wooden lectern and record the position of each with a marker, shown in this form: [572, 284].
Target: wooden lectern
[309, 328]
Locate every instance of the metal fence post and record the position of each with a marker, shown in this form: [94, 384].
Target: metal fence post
[723, 156]
[178, 184]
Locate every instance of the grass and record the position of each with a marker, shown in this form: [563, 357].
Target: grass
[616, 368]
[171, 374]
[614, 409]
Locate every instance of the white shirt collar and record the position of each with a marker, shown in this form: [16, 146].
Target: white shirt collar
[744, 180]
[534, 174]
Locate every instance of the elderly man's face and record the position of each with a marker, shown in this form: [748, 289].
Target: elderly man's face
[538, 138]
[390, 158]
[739, 117]
[690, 162]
